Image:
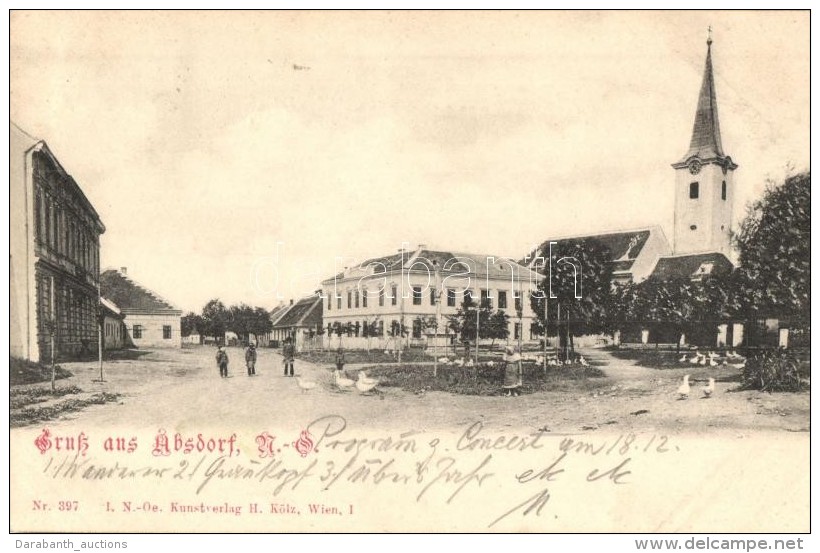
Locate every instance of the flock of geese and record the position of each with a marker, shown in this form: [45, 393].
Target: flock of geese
[707, 359]
[363, 383]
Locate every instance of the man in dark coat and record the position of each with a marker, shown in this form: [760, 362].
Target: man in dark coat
[288, 352]
[222, 361]
[250, 359]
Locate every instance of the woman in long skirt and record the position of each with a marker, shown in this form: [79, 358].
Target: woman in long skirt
[512, 372]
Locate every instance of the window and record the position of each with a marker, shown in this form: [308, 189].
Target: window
[394, 298]
[723, 190]
[166, 332]
[416, 328]
[468, 296]
[329, 302]
[364, 297]
[137, 332]
[381, 297]
[451, 297]
[416, 295]
[502, 299]
[693, 190]
[486, 299]
[356, 297]
[517, 331]
[349, 302]
[432, 296]
[518, 303]
[381, 328]
[338, 302]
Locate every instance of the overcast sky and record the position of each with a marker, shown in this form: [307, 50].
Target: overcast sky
[203, 140]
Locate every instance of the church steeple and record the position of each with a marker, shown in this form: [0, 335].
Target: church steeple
[705, 141]
[704, 184]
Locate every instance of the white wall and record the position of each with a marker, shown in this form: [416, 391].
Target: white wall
[152, 329]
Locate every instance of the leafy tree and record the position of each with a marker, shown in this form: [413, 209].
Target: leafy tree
[192, 323]
[578, 267]
[497, 327]
[215, 318]
[774, 243]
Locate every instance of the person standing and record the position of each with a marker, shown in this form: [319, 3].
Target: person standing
[222, 361]
[250, 359]
[288, 352]
[340, 359]
[512, 372]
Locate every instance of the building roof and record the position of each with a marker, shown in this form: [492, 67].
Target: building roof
[129, 295]
[706, 143]
[307, 312]
[21, 142]
[624, 246]
[111, 307]
[694, 266]
[445, 262]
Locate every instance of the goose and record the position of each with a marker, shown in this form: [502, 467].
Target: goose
[567, 362]
[553, 362]
[469, 363]
[443, 360]
[695, 360]
[704, 360]
[305, 385]
[583, 361]
[539, 360]
[709, 390]
[364, 384]
[683, 389]
[683, 359]
[342, 382]
[713, 363]
[459, 362]
[490, 363]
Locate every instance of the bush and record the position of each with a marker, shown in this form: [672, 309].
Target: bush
[774, 370]
[22, 371]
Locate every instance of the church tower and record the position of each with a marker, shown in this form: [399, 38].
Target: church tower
[704, 180]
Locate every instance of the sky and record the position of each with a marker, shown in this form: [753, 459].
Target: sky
[248, 156]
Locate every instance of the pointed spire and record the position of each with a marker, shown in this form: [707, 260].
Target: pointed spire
[705, 141]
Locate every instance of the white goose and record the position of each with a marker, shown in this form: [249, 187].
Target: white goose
[710, 389]
[683, 389]
[305, 385]
[364, 384]
[342, 382]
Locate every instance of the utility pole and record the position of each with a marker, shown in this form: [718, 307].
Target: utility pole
[100, 322]
[437, 296]
[53, 330]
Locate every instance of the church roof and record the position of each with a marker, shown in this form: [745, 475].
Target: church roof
[694, 266]
[624, 246]
[705, 142]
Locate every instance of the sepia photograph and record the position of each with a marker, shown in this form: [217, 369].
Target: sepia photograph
[409, 271]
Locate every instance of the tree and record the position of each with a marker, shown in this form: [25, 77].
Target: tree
[192, 323]
[578, 292]
[774, 242]
[215, 317]
[497, 327]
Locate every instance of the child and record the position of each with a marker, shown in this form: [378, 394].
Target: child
[340, 359]
[222, 361]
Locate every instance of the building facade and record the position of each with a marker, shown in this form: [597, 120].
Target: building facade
[406, 297]
[150, 321]
[114, 333]
[54, 256]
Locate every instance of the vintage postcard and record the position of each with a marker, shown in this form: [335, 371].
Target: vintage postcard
[409, 272]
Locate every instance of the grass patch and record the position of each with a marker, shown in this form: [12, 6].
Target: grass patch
[34, 415]
[362, 356]
[20, 398]
[484, 380]
[22, 371]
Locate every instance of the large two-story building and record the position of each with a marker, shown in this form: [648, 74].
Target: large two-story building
[413, 291]
[54, 256]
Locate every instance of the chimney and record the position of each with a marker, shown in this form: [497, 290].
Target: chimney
[291, 302]
[422, 246]
[124, 270]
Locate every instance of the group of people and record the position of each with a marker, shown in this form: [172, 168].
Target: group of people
[288, 354]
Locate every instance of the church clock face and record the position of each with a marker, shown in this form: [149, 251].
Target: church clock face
[694, 167]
